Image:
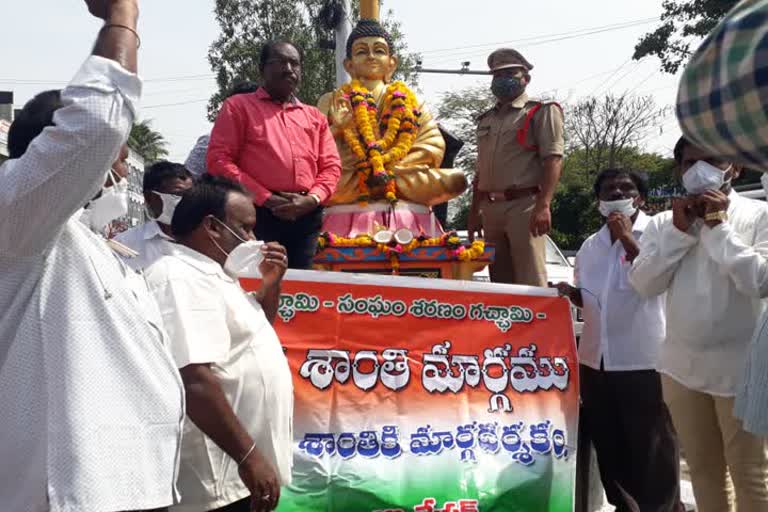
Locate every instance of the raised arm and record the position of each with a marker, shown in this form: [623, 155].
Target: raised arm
[66, 164]
[746, 262]
[662, 247]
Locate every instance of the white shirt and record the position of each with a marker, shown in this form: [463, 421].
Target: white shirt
[91, 405]
[210, 319]
[620, 326]
[714, 279]
[149, 241]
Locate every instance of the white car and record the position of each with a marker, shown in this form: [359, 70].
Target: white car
[559, 269]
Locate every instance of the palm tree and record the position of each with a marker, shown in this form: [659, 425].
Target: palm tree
[151, 145]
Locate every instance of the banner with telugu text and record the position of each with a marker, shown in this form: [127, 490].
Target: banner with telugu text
[428, 395]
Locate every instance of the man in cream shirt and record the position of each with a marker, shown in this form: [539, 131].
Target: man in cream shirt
[236, 449]
[91, 404]
[703, 254]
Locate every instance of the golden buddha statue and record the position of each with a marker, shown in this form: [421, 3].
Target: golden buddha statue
[390, 145]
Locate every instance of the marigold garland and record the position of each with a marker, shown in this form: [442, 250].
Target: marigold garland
[394, 250]
[380, 145]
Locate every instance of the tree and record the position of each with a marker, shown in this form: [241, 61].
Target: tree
[247, 24]
[603, 129]
[150, 144]
[458, 111]
[682, 24]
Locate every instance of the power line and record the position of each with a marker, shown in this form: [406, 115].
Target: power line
[460, 55]
[532, 38]
[162, 105]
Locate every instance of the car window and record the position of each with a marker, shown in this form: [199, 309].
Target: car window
[554, 257]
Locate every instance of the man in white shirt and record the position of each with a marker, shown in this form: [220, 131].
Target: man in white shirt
[623, 411]
[703, 255]
[91, 403]
[164, 184]
[236, 449]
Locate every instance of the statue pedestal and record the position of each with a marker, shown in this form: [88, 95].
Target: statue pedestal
[434, 262]
[352, 220]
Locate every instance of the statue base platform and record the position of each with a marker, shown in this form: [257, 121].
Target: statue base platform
[432, 262]
[353, 220]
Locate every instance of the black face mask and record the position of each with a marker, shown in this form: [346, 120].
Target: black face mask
[507, 87]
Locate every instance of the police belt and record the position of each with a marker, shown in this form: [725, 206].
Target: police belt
[510, 194]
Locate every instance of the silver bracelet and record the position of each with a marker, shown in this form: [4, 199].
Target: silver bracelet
[247, 454]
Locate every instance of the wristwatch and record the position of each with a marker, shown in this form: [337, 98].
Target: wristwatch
[722, 216]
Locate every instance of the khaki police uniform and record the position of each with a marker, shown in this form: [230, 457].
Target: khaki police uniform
[510, 170]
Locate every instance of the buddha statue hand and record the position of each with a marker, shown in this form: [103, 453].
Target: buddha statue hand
[340, 113]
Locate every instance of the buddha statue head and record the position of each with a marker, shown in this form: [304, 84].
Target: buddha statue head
[369, 53]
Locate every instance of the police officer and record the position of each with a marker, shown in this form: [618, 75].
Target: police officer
[520, 152]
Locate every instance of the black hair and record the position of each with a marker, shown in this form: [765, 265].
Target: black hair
[163, 170]
[242, 87]
[368, 28]
[207, 197]
[640, 179]
[36, 115]
[266, 52]
[679, 148]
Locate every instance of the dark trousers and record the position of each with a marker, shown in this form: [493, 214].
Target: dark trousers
[637, 452]
[244, 505]
[299, 237]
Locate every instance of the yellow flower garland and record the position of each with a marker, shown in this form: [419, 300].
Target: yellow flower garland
[378, 153]
[475, 250]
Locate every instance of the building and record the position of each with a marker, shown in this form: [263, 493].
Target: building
[136, 211]
[4, 127]
[6, 118]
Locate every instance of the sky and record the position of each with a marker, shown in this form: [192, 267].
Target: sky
[578, 49]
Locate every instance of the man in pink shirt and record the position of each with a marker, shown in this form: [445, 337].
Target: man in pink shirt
[282, 151]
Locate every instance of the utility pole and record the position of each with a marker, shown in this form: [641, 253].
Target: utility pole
[342, 34]
[464, 70]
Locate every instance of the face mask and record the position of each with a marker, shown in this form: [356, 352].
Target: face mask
[703, 176]
[764, 181]
[245, 258]
[624, 206]
[170, 202]
[507, 87]
[110, 205]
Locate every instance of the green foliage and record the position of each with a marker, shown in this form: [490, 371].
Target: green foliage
[151, 145]
[458, 112]
[247, 24]
[682, 24]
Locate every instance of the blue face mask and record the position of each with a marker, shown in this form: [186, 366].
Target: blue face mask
[504, 87]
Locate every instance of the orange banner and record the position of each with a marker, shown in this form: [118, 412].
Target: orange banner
[420, 389]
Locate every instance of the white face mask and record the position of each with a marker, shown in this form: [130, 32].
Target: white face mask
[624, 206]
[764, 181]
[111, 204]
[703, 176]
[244, 259]
[170, 202]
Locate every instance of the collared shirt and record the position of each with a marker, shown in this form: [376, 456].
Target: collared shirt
[274, 147]
[149, 241]
[620, 327]
[92, 404]
[502, 161]
[721, 102]
[210, 319]
[714, 279]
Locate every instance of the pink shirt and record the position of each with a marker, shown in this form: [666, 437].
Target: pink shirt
[274, 147]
